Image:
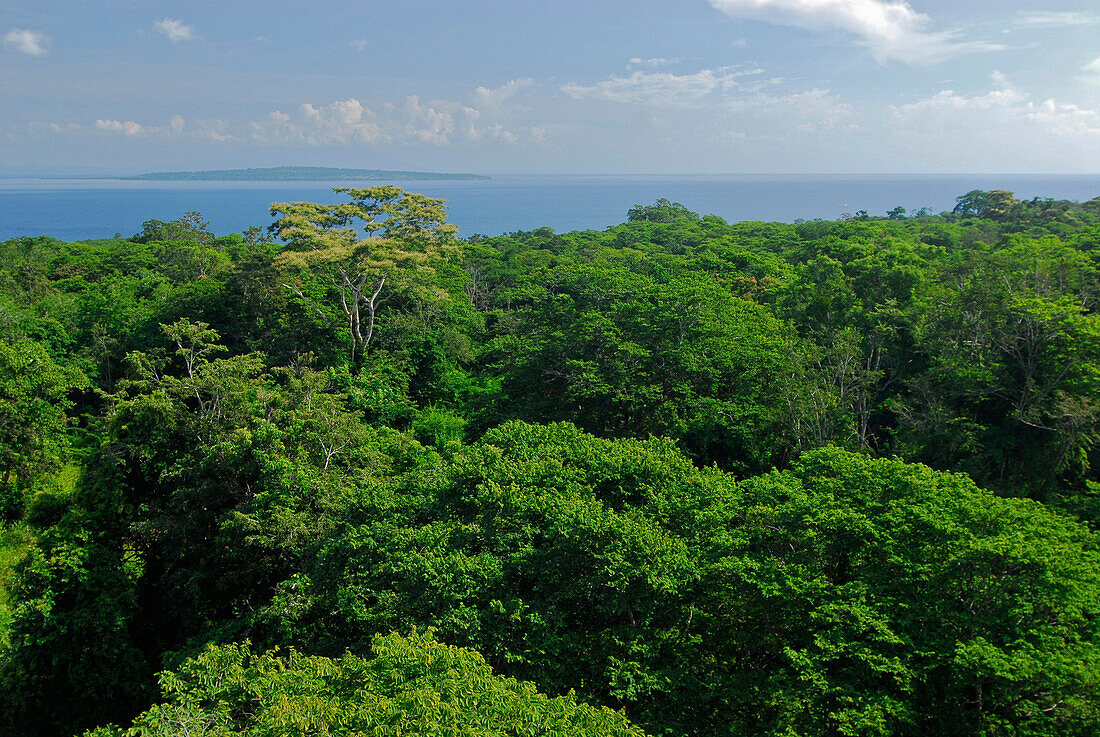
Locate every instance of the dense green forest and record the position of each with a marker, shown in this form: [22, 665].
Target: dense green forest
[349, 473]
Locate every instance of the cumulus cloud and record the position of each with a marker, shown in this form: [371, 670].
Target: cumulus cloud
[32, 43]
[339, 122]
[175, 29]
[1003, 108]
[1093, 67]
[177, 127]
[493, 99]
[1065, 120]
[724, 97]
[211, 130]
[347, 122]
[434, 122]
[54, 128]
[891, 30]
[1002, 96]
[654, 62]
[1055, 19]
[820, 109]
[127, 128]
[485, 116]
[662, 88]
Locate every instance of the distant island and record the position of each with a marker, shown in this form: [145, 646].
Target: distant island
[294, 173]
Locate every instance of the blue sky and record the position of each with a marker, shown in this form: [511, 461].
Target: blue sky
[603, 86]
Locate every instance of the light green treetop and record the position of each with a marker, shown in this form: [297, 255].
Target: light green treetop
[404, 232]
[411, 686]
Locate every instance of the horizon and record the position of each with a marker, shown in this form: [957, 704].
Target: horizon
[870, 175]
[76, 209]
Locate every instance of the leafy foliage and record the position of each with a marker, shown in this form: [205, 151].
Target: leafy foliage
[410, 686]
[671, 467]
[322, 238]
[33, 402]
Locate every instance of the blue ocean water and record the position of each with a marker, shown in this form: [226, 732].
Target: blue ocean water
[81, 209]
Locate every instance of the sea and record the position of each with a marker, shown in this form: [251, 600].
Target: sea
[82, 209]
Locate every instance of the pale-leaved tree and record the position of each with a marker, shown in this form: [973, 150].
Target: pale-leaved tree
[403, 233]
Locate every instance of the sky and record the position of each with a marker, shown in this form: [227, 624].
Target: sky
[100, 87]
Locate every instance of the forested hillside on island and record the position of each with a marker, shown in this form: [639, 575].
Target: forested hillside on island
[353, 474]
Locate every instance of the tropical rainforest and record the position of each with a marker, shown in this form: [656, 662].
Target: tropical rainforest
[348, 473]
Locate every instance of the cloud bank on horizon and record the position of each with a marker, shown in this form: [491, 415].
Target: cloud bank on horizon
[701, 85]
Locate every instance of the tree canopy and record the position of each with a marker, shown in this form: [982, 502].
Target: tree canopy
[410, 686]
[324, 239]
[353, 474]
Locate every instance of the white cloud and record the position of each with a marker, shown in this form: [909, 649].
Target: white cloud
[891, 30]
[360, 44]
[55, 128]
[726, 104]
[1065, 120]
[211, 130]
[434, 122]
[488, 114]
[819, 108]
[339, 122]
[662, 88]
[494, 99]
[176, 30]
[32, 43]
[350, 122]
[1002, 96]
[410, 122]
[177, 128]
[1055, 19]
[1002, 111]
[654, 62]
[1093, 67]
[128, 128]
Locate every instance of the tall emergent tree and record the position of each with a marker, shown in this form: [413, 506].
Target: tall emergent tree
[404, 232]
